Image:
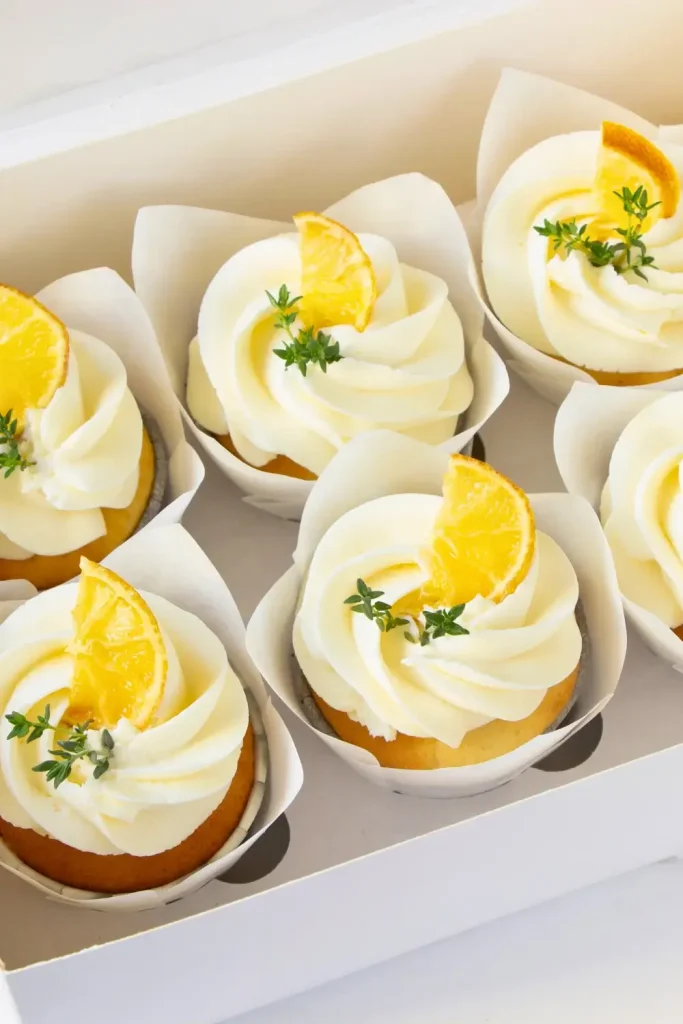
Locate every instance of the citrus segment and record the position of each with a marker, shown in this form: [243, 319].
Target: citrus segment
[338, 283]
[34, 353]
[120, 661]
[484, 536]
[629, 159]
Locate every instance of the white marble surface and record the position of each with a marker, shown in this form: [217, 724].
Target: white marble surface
[610, 954]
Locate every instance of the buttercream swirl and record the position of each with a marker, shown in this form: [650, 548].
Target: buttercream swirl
[514, 653]
[406, 372]
[590, 316]
[85, 446]
[642, 509]
[162, 782]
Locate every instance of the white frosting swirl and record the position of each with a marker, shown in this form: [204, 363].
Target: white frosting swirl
[642, 509]
[86, 448]
[163, 782]
[405, 372]
[515, 650]
[590, 316]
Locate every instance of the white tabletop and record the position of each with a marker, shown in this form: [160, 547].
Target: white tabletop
[610, 954]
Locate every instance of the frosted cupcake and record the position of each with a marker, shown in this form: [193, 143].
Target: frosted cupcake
[129, 756]
[285, 341]
[464, 645]
[427, 631]
[78, 469]
[581, 238]
[623, 451]
[307, 339]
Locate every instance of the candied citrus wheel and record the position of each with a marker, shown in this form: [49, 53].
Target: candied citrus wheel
[120, 661]
[34, 353]
[484, 536]
[629, 159]
[338, 283]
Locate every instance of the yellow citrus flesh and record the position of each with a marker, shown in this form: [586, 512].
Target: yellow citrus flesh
[34, 353]
[338, 283]
[120, 661]
[484, 536]
[629, 159]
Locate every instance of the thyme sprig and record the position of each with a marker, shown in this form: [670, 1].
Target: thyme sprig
[628, 254]
[437, 623]
[68, 751]
[441, 622]
[307, 346]
[366, 602]
[10, 455]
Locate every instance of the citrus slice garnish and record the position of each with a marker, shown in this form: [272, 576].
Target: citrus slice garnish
[337, 280]
[484, 536]
[34, 353]
[629, 159]
[120, 661]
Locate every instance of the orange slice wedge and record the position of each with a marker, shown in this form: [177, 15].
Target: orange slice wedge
[629, 159]
[34, 353]
[120, 661]
[484, 536]
[338, 283]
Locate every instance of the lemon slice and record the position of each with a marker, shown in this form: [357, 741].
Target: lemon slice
[629, 159]
[120, 661]
[338, 283]
[484, 536]
[34, 353]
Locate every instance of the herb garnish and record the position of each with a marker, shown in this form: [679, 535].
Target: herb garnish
[11, 458]
[68, 751]
[365, 601]
[629, 254]
[441, 622]
[308, 345]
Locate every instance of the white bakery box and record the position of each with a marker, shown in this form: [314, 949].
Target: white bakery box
[353, 874]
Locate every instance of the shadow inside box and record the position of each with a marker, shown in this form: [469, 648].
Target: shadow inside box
[263, 857]
[478, 450]
[576, 750]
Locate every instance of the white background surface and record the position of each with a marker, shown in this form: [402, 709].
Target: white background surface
[608, 954]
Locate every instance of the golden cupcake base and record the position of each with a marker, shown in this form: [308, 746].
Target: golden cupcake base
[280, 465]
[614, 379]
[45, 571]
[479, 745]
[122, 873]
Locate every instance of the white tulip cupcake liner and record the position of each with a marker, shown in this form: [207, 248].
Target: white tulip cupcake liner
[168, 562]
[178, 250]
[157, 496]
[99, 303]
[588, 425]
[383, 463]
[525, 110]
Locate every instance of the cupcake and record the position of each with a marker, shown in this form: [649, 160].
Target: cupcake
[79, 470]
[434, 631]
[622, 450]
[130, 752]
[310, 333]
[581, 238]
